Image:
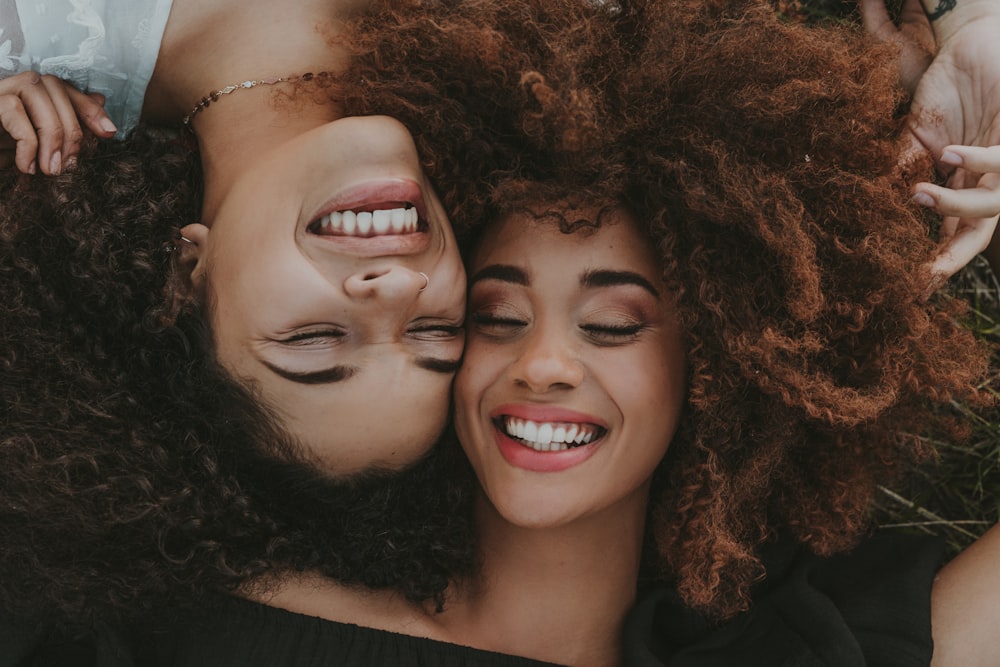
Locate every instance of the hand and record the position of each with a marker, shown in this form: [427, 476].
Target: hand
[40, 122]
[971, 208]
[956, 104]
[913, 36]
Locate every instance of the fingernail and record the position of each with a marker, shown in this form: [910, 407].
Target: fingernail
[33, 167]
[107, 125]
[70, 163]
[954, 159]
[923, 199]
[55, 164]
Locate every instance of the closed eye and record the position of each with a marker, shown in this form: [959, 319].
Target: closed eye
[316, 337]
[438, 331]
[496, 326]
[613, 334]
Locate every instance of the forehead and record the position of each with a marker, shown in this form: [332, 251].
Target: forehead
[523, 238]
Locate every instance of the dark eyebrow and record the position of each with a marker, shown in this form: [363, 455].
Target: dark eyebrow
[325, 376]
[604, 278]
[341, 373]
[444, 366]
[504, 272]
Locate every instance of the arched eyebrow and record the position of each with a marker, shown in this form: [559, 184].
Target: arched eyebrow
[323, 376]
[607, 278]
[503, 272]
[336, 374]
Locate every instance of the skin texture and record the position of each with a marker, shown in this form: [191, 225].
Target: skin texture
[552, 343]
[314, 302]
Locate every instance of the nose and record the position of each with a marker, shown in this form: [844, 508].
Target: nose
[392, 286]
[547, 362]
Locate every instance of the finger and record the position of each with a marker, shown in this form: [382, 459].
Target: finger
[876, 19]
[979, 159]
[972, 237]
[45, 119]
[912, 13]
[982, 201]
[15, 122]
[90, 110]
[72, 133]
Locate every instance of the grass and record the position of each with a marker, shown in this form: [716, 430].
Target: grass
[957, 497]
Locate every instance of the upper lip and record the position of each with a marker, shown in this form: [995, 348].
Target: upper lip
[546, 413]
[385, 193]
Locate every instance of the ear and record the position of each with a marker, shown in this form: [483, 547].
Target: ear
[191, 251]
[187, 281]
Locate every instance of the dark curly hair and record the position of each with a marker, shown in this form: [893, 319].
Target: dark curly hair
[135, 471]
[760, 156]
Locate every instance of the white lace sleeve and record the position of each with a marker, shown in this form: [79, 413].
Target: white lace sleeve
[104, 46]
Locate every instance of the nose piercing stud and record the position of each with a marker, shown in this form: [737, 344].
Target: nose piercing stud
[427, 281]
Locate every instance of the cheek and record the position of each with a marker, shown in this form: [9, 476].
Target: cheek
[477, 380]
[654, 400]
[425, 419]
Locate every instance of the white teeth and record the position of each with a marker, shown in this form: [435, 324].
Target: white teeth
[530, 431]
[398, 216]
[370, 223]
[381, 221]
[350, 222]
[364, 223]
[549, 436]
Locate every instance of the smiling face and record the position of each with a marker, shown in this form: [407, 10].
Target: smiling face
[573, 380]
[335, 288]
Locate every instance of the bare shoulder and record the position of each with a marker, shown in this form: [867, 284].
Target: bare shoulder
[964, 606]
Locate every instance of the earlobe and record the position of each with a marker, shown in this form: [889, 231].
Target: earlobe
[190, 250]
[186, 282]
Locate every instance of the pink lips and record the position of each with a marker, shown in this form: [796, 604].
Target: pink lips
[371, 195]
[520, 456]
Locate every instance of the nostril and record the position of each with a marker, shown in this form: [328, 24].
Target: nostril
[373, 275]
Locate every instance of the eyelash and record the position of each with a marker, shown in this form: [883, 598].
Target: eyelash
[436, 331]
[614, 329]
[599, 333]
[313, 337]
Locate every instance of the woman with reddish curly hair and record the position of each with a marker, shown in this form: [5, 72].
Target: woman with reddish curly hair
[782, 248]
[758, 159]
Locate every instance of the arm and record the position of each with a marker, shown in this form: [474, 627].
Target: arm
[964, 609]
[42, 120]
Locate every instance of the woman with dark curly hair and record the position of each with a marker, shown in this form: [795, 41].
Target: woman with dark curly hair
[140, 472]
[321, 258]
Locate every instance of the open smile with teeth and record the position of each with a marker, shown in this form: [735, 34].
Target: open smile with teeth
[378, 222]
[549, 436]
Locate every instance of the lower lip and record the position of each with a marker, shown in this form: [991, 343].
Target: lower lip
[526, 458]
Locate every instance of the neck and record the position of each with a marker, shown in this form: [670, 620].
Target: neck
[238, 131]
[555, 594]
[209, 45]
[313, 595]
